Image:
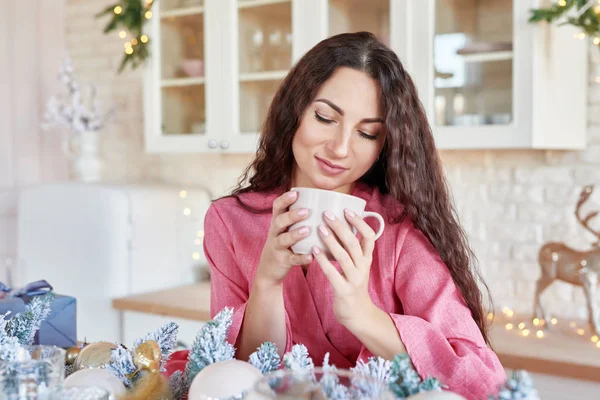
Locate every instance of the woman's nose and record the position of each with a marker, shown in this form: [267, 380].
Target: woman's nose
[339, 145]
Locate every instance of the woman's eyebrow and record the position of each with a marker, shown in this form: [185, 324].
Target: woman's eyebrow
[341, 112]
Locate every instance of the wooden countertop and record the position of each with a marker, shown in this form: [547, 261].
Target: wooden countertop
[188, 302]
[561, 352]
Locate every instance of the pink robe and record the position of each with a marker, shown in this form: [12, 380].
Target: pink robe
[408, 280]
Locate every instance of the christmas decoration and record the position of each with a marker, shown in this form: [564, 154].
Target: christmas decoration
[518, 387]
[210, 346]
[98, 377]
[20, 330]
[72, 354]
[224, 380]
[148, 356]
[121, 365]
[150, 386]
[584, 14]
[560, 262]
[80, 112]
[24, 325]
[128, 17]
[298, 359]
[94, 355]
[36, 372]
[266, 358]
[211, 371]
[165, 337]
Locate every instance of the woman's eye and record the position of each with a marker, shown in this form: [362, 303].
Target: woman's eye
[367, 136]
[322, 119]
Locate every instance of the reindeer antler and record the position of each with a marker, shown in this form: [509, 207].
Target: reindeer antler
[583, 197]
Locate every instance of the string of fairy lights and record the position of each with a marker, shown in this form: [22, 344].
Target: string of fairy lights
[128, 18]
[198, 239]
[537, 327]
[130, 44]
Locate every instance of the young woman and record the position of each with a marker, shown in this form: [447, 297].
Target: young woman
[347, 118]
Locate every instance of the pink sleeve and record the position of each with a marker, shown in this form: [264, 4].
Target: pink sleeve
[229, 287]
[437, 329]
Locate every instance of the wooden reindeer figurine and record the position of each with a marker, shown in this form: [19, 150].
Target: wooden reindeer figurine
[581, 268]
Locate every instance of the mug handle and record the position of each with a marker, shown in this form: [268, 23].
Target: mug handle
[379, 218]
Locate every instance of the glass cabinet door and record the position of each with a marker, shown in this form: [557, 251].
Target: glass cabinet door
[182, 67]
[264, 51]
[473, 62]
[358, 15]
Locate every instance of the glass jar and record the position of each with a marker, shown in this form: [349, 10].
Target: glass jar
[40, 373]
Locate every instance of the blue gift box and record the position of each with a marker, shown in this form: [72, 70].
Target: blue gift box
[59, 329]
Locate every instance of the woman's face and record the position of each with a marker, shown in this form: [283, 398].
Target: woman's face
[341, 133]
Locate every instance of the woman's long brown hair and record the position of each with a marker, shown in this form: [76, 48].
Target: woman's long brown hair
[408, 169]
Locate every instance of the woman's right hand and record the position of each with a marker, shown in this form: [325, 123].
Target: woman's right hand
[277, 259]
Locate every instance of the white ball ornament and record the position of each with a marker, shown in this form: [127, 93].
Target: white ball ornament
[436, 395]
[96, 377]
[223, 380]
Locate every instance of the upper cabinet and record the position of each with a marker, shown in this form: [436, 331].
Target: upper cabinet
[490, 79]
[487, 78]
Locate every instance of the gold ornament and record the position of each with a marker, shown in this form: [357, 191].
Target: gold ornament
[94, 355]
[72, 354]
[148, 356]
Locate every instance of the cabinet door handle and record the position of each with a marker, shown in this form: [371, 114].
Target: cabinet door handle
[224, 144]
[212, 144]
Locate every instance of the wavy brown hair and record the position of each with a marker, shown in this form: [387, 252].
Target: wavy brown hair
[408, 169]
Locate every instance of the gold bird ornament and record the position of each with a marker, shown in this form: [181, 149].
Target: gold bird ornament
[147, 356]
[152, 385]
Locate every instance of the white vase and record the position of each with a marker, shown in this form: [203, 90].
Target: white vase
[84, 152]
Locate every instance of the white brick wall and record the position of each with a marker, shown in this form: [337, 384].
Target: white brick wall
[509, 201]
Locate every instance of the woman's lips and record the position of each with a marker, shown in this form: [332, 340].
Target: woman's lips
[328, 168]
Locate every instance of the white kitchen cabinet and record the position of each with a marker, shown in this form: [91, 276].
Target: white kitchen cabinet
[487, 78]
[490, 79]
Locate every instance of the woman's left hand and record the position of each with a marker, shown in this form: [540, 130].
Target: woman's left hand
[351, 287]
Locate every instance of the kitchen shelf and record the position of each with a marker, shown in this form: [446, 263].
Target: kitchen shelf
[262, 76]
[181, 12]
[258, 3]
[180, 82]
[489, 56]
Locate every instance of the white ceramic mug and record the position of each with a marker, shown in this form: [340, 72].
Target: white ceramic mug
[317, 201]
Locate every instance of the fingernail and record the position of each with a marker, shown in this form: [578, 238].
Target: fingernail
[303, 230]
[350, 213]
[308, 257]
[316, 250]
[302, 212]
[329, 216]
[292, 195]
[323, 230]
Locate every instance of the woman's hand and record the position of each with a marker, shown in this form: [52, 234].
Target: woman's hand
[351, 287]
[276, 258]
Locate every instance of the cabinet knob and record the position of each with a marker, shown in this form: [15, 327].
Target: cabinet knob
[224, 144]
[212, 144]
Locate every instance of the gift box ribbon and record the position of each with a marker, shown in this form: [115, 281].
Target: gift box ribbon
[31, 289]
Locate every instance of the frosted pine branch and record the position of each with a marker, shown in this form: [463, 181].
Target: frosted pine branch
[121, 365]
[210, 345]
[266, 358]
[518, 387]
[24, 325]
[10, 348]
[166, 337]
[298, 359]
